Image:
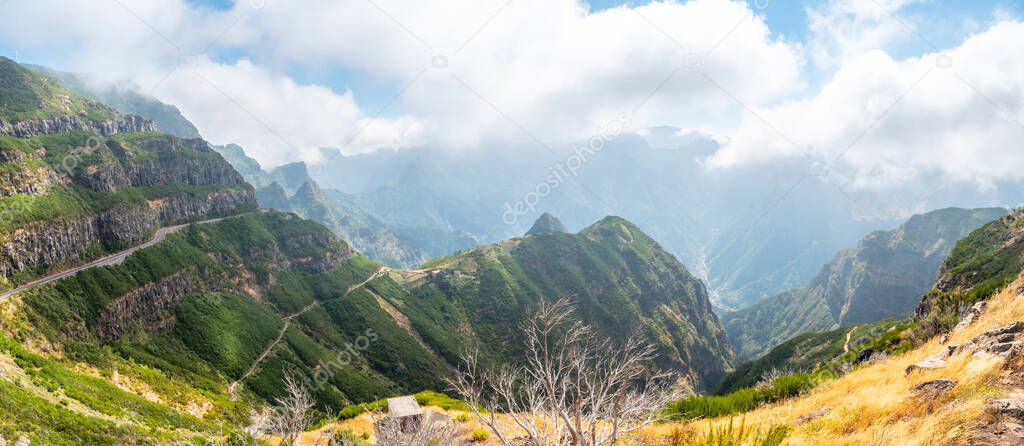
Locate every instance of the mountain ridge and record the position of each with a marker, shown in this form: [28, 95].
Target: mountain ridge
[883, 277]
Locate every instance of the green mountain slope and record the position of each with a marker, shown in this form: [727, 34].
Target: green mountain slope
[126, 100]
[619, 278]
[807, 352]
[27, 96]
[181, 338]
[185, 335]
[73, 188]
[985, 261]
[981, 264]
[547, 223]
[884, 277]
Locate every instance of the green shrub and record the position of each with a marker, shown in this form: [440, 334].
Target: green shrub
[461, 418]
[730, 435]
[348, 437]
[744, 400]
[480, 435]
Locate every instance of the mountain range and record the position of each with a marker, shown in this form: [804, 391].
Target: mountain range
[883, 277]
[148, 297]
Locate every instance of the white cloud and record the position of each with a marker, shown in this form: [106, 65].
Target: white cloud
[841, 29]
[551, 66]
[560, 72]
[959, 125]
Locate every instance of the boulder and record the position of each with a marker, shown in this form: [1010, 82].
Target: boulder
[1008, 407]
[813, 415]
[935, 361]
[934, 389]
[1004, 341]
[972, 315]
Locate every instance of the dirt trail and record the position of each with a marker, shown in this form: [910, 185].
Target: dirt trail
[846, 346]
[233, 388]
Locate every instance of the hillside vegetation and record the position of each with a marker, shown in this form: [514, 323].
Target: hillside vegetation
[184, 337]
[884, 277]
[621, 281]
[898, 382]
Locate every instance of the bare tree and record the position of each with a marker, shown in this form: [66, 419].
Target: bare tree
[431, 431]
[571, 389]
[294, 412]
[260, 422]
[768, 377]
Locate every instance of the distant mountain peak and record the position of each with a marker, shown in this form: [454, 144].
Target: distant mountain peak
[546, 224]
[309, 189]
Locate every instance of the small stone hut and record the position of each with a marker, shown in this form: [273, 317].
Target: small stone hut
[406, 411]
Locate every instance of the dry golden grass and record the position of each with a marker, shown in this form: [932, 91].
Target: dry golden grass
[364, 424]
[874, 405]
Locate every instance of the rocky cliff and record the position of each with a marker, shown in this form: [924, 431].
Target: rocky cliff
[78, 180]
[68, 124]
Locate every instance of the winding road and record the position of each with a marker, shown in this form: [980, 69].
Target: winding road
[113, 259]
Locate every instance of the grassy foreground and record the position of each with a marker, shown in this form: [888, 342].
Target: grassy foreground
[874, 405]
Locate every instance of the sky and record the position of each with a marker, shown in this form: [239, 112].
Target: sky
[889, 92]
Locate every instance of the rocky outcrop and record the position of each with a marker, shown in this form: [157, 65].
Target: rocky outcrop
[145, 305]
[1010, 407]
[182, 209]
[68, 124]
[167, 165]
[972, 315]
[1004, 425]
[931, 390]
[45, 244]
[813, 415]
[28, 181]
[1007, 342]
[298, 247]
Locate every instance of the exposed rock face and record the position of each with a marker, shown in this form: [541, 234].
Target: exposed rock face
[933, 389]
[294, 247]
[972, 315]
[1004, 427]
[198, 185]
[936, 361]
[53, 242]
[67, 124]
[164, 168]
[145, 305]
[1013, 408]
[30, 181]
[1007, 342]
[216, 204]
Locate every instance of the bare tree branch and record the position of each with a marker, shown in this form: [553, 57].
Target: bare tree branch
[572, 388]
